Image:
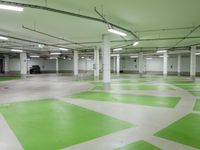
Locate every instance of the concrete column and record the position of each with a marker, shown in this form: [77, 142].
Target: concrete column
[193, 62]
[165, 62]
[114, 64]
[6, 64]
[76, 63]
[141, 63]
[118, 64]
[96, 64]
[179, 65]
[23, 64]
[57, 65]
[106, 58]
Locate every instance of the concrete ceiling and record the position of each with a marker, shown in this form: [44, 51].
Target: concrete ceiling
[145, 18]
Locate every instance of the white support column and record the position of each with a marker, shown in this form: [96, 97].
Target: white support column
[96, 64]
[165, 64]
[193, 62]
[76, 63]
[6, 64]
[114, 65]
[118, 64]
[179, 66]
[57, 65]
[141, 63]
[23, 64]
[106, 58]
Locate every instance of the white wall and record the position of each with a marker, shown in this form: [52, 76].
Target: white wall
[126, 64]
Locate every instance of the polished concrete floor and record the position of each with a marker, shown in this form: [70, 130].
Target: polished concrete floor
[56, 112]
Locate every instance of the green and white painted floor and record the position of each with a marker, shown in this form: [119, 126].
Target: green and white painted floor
[54, 112]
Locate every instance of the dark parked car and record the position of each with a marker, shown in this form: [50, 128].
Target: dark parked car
[35, 69]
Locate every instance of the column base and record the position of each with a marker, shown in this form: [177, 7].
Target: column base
[165, 76]
[76, 77]
[193, 78]
[140, 75]
[178, 74]
[96, 78]
[23, 76]
[107, 86]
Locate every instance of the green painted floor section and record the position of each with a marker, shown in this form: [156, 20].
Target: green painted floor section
[129, 98]
[197, 105]
[8, 78]
[135, 87]
[185, 131]
[53, 125]
[140, 145]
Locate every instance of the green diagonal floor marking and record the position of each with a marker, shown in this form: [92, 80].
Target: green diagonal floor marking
[139, 145]
[8, 78]
[197, 105]
[53, 125]
[185, 131]
[135, 87]
[129, 98]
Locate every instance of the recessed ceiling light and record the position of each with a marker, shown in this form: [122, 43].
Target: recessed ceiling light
[9, 7]
[135, 43]
[82, 57]
[53, 58]
[117, 49]
[197, 53]
[41, 45]
[3, 38]
[161, 56]
[149, 58]
[63, 49]
[117, 32]
[16, 50]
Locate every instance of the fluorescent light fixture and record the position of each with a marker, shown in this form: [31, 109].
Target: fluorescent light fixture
[197, 53]
[69, 59]
[41, 45]
[34, 56]
[9, 7]
[117, 32]
[161, 56]
[135, 43]
[82, 57]
[117, 49]
[3, 38]
[56, 53]
[16, 50]
[149, 58]
[53, 58]
[161, 51]
[63, 49]
[134, 56]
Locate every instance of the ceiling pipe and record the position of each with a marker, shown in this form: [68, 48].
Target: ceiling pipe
[49, 35]
[64, 12]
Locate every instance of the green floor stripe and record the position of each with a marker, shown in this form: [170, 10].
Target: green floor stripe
[53, 125]
[129, 98]
[185, 131]
[8, 78]
[139, 145]
[135, 87]
[197, 105]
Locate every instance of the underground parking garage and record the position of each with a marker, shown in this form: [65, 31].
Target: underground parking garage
[99, 75]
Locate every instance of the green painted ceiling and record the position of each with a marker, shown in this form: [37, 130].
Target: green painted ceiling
[136, 15]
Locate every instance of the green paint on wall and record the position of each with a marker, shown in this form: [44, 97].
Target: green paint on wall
[197, 105]
[185, 131]
[129, 98]
[139, 145]
[53, 125]
[135, 87]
